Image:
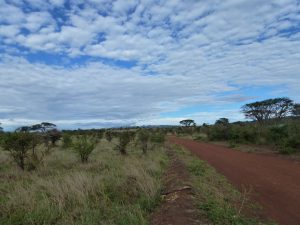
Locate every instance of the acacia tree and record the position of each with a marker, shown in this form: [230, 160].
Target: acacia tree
[222, 121]
[276, 108]
[187, 123]
[296, 110]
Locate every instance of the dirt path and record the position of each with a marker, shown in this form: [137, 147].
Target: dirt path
[275, 181]
[177, 207]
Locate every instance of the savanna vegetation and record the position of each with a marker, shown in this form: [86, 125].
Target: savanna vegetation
[113, 176]
[80, 177]
[274, 123]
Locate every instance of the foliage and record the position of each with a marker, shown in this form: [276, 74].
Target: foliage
[108, 135]
[110, 189]
[296, 110]
[54, 135]
[271, 108]
[187, 123]
[222, 121]
[157, 138]
[124, 139]
[144, 137]
[84, 146]
[67, 140]
[19, 145]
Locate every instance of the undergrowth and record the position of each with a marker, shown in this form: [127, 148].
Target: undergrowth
[109, 189]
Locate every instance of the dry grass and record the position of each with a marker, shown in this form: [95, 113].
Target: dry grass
[109, 189]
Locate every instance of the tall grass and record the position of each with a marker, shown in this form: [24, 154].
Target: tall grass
[110, 189]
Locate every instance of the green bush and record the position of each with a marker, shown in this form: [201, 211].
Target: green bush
[144, 137]
[84, 147]
[67, 140]
[19, 146]
[157, 137]
[124, 139]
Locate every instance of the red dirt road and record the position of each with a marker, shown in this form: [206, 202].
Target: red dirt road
[275, 181]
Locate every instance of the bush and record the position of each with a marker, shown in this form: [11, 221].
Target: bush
[144, 137]
[158, 138]
[84, 147]
[67, 140]
[124, 139]
[108, 136]
[19, 145]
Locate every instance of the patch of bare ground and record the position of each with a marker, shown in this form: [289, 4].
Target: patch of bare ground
[274, 181]
[178, 204]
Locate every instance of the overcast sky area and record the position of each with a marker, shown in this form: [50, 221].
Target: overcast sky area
[96, 63]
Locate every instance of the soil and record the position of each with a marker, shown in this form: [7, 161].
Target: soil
[274, 181]
[177, 207]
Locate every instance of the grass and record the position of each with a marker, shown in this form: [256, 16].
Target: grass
[109, 189]
[216, 198]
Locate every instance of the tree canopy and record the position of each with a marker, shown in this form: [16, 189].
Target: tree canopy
[296, 110]
[187, 123]
[222, 121]
[274, 108]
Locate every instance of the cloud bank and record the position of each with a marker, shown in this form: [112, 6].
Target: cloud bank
[109, 63]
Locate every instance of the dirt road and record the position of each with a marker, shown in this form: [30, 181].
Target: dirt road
[177, 207]
[275, 181]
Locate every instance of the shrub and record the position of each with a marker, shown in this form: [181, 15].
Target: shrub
[54, 135]
[108, 136]
[84, 147]
[124, 140]
[144, 137]
[158, 137]
[67, 140]
[19, 145]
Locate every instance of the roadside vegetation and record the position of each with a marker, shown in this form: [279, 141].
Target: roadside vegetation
[80, 178]
[216, 198]
[272, 123]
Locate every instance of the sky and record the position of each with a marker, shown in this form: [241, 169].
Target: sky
[95, 63]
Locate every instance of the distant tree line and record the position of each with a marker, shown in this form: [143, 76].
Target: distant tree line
[274, 122]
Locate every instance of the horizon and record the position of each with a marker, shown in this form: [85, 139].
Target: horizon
[101, 64]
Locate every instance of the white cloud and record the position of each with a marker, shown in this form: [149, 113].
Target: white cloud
[185, 54]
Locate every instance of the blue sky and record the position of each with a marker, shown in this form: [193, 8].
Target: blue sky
[96, 63]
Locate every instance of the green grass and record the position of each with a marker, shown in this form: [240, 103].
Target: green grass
[109, 189]
[216, 198]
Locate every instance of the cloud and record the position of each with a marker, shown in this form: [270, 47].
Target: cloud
[143, 58]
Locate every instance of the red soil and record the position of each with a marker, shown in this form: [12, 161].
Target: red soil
[275, 181]
[177, 207]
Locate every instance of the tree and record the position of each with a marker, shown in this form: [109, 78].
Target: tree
[187, 123]
[23, 129]
[296, 110]
[222, 121]
[1, 128]
[276, 108]
[43, 127]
